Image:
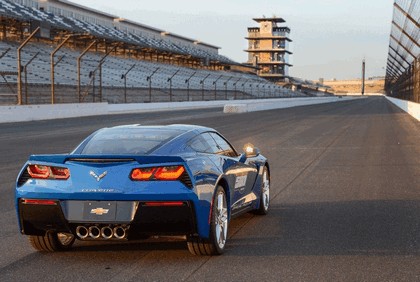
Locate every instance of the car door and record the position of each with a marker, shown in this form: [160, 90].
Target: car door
[243, 174]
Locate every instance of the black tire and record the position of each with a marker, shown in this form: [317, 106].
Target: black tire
[52, 242]
[215, 245]
[265, 193]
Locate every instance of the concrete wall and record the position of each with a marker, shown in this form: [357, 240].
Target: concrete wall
[45, 112]
[250, 106]
[410, 107]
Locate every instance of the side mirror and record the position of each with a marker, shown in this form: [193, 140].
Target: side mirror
[251, 151]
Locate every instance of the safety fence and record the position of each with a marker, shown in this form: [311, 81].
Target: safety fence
[402, 78]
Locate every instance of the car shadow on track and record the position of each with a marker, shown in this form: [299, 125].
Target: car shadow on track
[152, 244]
[333, 228]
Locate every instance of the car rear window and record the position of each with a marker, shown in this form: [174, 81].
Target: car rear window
[122, 141]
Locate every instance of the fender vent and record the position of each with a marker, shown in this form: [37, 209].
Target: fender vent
[185, 178]
[23, 177]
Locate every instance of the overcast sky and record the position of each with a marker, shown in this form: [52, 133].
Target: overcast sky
[330, 37]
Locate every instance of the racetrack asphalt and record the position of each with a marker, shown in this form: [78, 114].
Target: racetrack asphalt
[345, 200]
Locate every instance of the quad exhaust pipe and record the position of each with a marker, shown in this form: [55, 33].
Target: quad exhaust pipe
[94, 232]
[119, 232]
[82, 232]
[106, 232]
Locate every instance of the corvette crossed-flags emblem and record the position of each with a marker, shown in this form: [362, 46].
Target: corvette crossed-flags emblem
[98, 177]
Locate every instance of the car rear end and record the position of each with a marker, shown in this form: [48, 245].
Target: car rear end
[107, 197]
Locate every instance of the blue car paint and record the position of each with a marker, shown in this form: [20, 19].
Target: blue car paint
[203, 169]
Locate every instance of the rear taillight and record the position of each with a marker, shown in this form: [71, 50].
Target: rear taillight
[169, 172]
[60, 172]
[48, 172]
[39, 171]
[157, 173]
[142, 173]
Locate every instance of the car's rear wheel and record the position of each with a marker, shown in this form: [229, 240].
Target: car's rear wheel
[265, 193]
[215, 245]
[52, 242]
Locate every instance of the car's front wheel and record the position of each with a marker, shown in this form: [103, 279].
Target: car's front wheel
[215, 245]
[52, 242]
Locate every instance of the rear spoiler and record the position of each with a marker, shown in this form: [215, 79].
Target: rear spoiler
[61, 159]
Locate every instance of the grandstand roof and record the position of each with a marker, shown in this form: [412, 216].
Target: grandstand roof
[81, 7]
[123, 20]
[133, 23]
[23, 13]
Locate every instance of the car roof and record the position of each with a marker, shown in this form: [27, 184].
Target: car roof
[180, 127]
[178, 135]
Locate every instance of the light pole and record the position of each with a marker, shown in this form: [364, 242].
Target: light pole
[363, 77]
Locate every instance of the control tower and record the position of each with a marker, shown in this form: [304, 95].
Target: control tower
[268, 48]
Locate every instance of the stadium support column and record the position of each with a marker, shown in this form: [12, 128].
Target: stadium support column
[19, 62]
[170, 84]
[124, 76]
[53, 65]
[226, 85]
[244, 85]
[234, 84]
[108, 52]
[79, 59]
[149, 78]
[258, 91]
[202, 86]
[215, 86]
[25, 68]
[188, 85]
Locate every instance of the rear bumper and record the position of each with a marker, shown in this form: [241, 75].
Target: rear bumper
[35, 219]
[139, 217]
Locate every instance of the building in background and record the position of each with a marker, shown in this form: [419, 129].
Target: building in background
[268, 48]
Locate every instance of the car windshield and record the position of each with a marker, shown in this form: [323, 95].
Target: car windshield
[133, 141]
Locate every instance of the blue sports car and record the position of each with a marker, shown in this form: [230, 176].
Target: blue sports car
[130, 182]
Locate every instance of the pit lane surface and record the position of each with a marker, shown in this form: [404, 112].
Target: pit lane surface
[345, 200]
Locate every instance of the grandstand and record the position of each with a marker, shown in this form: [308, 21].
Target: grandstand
[78, 54]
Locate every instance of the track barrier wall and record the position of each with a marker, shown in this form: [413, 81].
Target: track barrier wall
[47, 112]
